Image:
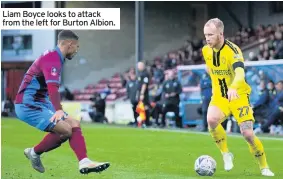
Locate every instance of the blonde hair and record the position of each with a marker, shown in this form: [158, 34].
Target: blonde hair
[217, 22]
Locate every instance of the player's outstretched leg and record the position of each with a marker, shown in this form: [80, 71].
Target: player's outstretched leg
[60, 133]
[77, 143]
[256, 147]
[214, 117]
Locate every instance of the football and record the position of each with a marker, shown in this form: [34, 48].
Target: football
[205, 165]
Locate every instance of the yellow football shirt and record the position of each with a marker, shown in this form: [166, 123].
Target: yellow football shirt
[221, 66]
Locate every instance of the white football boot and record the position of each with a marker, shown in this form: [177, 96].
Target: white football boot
[228, 161]
[87, 166]
[267, 172]
[35, 160]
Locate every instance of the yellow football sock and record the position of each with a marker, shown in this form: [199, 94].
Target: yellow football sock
[220, 138]
[256, 148]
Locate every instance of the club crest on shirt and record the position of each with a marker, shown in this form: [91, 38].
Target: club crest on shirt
[237, 56]
[54, 71]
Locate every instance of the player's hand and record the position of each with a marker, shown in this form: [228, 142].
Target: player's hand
[173, 94]
[166, 95]
[281, 108]
[232, 94]
[60, 114]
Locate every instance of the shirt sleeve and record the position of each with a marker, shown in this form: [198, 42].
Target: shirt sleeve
[51, 70]
[145, 79]
[236, 58]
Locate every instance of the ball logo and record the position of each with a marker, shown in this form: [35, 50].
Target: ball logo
[54, 71]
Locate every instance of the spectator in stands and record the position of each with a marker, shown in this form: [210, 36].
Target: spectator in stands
[278, 43]
[157, 104]
[171, 61]
[251, 34]
[281, 27]
[261, 50]
[126, 76]
[132, 89]
[252, 57]
[196, 57]
[260, 31]
[269, 30]
[272, 55]
[265, 55]
[238, 40]
[181, 58]
[266, 47]
[278, 39]
[271, 90]
[262, 76]
[206, 93]
[105, 92]
[158, 74]
[244, 36]
[9, 109]
[271, 41]
[99, 106]
[171, 91]
[275, 110]
[188, 51]
[261, 106]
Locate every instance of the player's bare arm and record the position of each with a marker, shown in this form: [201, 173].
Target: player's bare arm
[142, 92]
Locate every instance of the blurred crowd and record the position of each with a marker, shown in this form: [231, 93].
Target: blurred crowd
[268, 39]
[268, 109]
[190, 53]
[271, 49]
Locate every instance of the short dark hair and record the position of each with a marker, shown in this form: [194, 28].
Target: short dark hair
[271, 81]
[67, 35]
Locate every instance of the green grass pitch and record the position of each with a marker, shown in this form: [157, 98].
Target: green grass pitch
[133, 153]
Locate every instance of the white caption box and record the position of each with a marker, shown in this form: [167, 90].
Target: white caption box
[61, 18]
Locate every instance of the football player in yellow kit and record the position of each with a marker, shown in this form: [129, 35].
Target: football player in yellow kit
[230, 94]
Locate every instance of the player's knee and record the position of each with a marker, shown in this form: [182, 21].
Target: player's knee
[67, 133]
[73, 122]
[248, 135]
[76, 123]
[214, 116]
[212, 121]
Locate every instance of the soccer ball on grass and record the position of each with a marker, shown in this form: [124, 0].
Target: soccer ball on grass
[205, 165]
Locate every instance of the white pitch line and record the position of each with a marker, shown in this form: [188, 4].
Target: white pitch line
[187, 131]
[206, 133]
